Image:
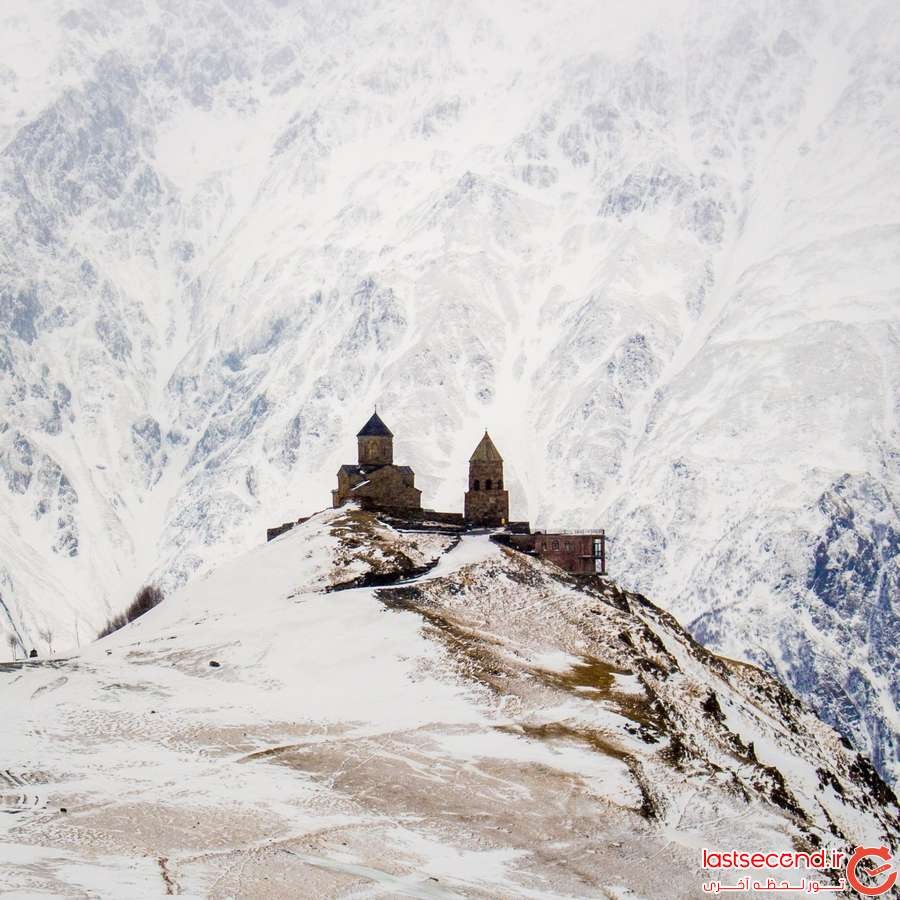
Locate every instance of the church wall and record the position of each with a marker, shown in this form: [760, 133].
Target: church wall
[389, 487]
[375, 451]
[487, 507]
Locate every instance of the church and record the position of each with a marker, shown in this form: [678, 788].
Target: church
[376, 483]
[374, 480]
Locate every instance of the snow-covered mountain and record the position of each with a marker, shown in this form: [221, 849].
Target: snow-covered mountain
[490, 728]
[654, 247]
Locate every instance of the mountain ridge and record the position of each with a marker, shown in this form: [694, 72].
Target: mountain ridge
[653, 253]
[486, 725]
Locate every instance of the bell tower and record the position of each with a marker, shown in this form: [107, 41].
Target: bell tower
[486, 501]
[375, 443]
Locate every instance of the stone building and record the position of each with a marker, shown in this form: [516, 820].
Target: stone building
[579, 551]
[486, 501]
[375, 481]
[377, 484]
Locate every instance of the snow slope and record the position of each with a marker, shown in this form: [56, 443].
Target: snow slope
[652, 246]
[490, 729]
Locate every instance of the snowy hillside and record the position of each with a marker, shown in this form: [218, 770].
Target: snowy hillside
[652, 246]
[492, 728]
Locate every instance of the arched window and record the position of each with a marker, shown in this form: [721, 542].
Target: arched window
[477, 485]
[487, 484]
[499, 484]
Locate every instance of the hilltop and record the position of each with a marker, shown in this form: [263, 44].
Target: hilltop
[465, 721]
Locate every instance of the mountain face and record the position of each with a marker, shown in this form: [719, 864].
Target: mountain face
[653, 248]
[491, 727]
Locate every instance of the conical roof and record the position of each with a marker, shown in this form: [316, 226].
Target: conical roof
[375, 428]
[486, 451]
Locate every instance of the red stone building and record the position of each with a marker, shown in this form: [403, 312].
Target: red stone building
[580, 551]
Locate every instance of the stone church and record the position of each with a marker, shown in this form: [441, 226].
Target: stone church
[375, 480]
[376, 483]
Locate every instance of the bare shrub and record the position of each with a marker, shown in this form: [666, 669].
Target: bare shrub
[144, 600]
[46, 635]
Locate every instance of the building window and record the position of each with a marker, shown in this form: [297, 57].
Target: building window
[556, 545]
[499, 484]
[487, 484]
[477, 485]
[568, 547]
